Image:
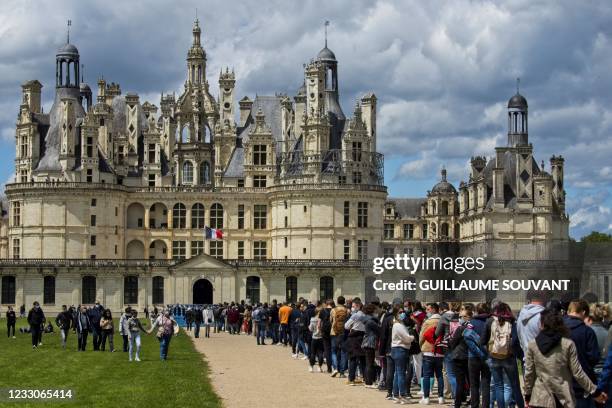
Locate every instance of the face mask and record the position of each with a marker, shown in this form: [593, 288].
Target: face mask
[461, 320]
[429, 314]
[402, 316]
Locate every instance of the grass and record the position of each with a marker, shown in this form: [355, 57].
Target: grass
[104, 379]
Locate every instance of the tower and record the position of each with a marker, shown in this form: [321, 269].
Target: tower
[517, 120]
[227, 81]
[196, 58]
[67, 64]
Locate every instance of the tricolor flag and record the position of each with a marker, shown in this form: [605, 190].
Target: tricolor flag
[212, 233]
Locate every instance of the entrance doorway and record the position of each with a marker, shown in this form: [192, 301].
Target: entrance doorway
[202, 292]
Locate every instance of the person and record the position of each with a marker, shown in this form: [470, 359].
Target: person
[262, 324]
[499, 336]
[338, 316]
[107, 328]
[208, 320]
[134, 328]
[166, 327]
[64, 323]
[197, 320]
[478, 369]
[294, 328]
[370, 341]
[95, 314]
[11, 319]
[247, 319]
[283, 316]
[123, 329]
[595, 320]
[449, 321]
[586, 345]
[551, 365]
[274, 322]
[304, 337]
[146, 312]
[82, 325]
[316, 344]
[189, 318]
[384, 346]
[604, 385]
[325, 317]
[400, 344]
[233, 320]
[355, 326]
[36, 320]
[433, 354]
[528, 320]
[22, 310]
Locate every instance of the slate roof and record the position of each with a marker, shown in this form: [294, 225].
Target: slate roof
[407, 207]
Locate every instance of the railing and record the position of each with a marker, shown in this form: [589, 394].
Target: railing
[58, 262]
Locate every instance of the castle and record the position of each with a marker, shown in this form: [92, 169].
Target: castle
[111, 198]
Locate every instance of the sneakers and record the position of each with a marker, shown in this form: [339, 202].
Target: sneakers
[137, 358]
[351, 383]
[33, 347]
[389, 397]
[441, 400]
[294, 355]
[334, 373]
[424, 401]
[371, 386]
[304, 358]
[311, 369]
[14, 337]
[40, 344]
[401, 401]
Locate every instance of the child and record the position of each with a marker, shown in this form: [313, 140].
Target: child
[134, 329]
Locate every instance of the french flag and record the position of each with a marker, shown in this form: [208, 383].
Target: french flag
[213, 233]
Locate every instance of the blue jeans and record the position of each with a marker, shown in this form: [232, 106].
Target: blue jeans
[261, 333]
[336, 342]
[432, 366]
[164, 344]
[274, 332]
[506, 366]
[450, 372]
[585, 402]
[301, 345]
[284, 333]
[400, 358]
[197, 330]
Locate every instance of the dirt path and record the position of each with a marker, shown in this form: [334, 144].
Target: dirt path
[244, 374]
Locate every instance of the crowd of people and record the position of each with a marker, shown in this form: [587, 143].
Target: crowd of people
[549, 354]
[97, 321]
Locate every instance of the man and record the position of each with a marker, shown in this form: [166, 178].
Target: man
[338, 316]
[197, 321]
[208, 319]
[82, 324]
[274, 321]
[355, 326]
[283, 316]
[123, 328]
[449, 317]
[11, 319]
[95, 315]
[262, 317]
[528, 320]
[63, 322]
[586, 344]
[325, 317]
[478, 369]
[36, 319]
[294, 327]
[433, 357]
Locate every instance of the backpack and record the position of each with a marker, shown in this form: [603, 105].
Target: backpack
[325, 322]
[263, 315]
[415, 347]
[453, 325]
[472, 340]
[340, 315]
[500, 344]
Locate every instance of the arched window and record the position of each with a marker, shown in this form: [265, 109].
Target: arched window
[444, 208]
[291, 289]
[8, 290]
[179, 215]
[185, 134]
[457, 231]
[187, 172]
[444, 230]
[88, 290]
[130, 289]
[205, 173]
[197, 216]
[252, 289]
[216, 216]
[49, 290]
[433, 207]
[158, 290]
[326, 288]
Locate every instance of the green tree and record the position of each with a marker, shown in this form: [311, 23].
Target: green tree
[595, 236]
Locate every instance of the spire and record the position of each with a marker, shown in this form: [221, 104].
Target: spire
[68, 31]
[443, 173]
[518, 84]
[326, 25]
[82, 72]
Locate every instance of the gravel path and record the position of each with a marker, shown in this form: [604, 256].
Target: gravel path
[244, 374]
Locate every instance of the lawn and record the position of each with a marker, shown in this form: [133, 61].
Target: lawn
[104, 379]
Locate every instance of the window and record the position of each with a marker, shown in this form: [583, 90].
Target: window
[286, 221]
[240, 183]
[151, 180]
[24, 146]
[259, 155]
[424, 232]
[179, 249]
[240, 216]
[341, 179]
[158, 290]
[88, 290]
[240, 249]
[205, 173]
[259, 249]
[326, 291]
[356, 151]
[197, 248]
[89, 146]
[347, 249]
[356, 177]
[216, 249]
[89, 175]
[49, 290]
[388, 231]
[291, 289]
[362, 249]
[94, 202]
[388, 252]
[408, 231]
[260, 215]
[179, 215]
[16, 248]
[92, 220]
[16, 214]
[197, 216]
[286, 241]
[130, 289]
[259, 181]
[187, 172]
[362, 214]
[347, 213]
[23, 176]
[216, 216]
[8, 290]
[305, 209]
[92, 240]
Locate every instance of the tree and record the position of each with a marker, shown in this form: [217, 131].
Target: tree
[595, 236]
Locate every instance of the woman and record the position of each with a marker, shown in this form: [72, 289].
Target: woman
[498, 337]
[166, 327]
[107, 327]
[246, 320]
[354, 329]
[400, 344]
[551, 363]
[370, 341]
[209, 320]
[316, 344]
[134, 328]
[597, 315]
[11, 318]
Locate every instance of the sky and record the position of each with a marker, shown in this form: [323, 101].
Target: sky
[443, 72]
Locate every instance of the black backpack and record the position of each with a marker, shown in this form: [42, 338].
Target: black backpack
[325, 317]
